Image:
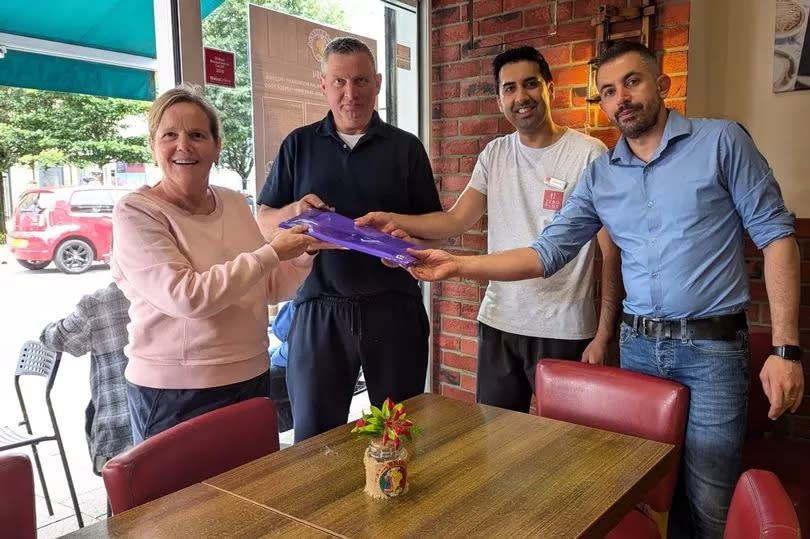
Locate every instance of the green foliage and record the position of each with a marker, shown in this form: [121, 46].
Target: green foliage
[389, 423]
[227, 29]
[2, 238]
[53, 128]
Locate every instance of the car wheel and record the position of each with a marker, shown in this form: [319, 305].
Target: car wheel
[34, 264]
[74, 256]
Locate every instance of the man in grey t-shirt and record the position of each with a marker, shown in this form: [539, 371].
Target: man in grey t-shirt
[521, 180]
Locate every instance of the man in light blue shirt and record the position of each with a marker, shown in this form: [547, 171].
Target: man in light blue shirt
[675, 195]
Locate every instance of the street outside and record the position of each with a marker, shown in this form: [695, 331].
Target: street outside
[31, 299]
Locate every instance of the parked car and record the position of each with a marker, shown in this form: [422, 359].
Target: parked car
[71, 226]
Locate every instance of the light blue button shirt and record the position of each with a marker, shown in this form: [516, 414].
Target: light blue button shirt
[678, 219]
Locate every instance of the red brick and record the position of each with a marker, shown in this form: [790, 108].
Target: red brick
[803, 227]
[456, 361]
[452, 34]
[678, 88]
[674, 62]
[589, 8]
[441, 55]
[579, 96]
[447, 201]
[458, 394]
[457, 109]
[805, 271]
[500, 24]
[565, 11]
[474, 241]
[460, 147]
[678, 104]
[673, 15]
[608, 136]
[510, 5]
[537, 16]
[574, 31]
[444, 3]
[448, 307]
[557, 55]
[583, 51]
[461, 70]
[467, 164]
[562, 98]
[454, 184]
[444, 128]
[570, 76]
[599, 118]
[468, 382]
[479, 126]
[459, 291]
[570, 117]
[485, 8]
[449, 377]
[445, 166]
[470, 347]
[481, 86]
[447, 342]
[445, 16]
[490, 106]
[758, 291]
[458, 326]
[670, 38]
[447, 90]
[469, 311]
[753, 312]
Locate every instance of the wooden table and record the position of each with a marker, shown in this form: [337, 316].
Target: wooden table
[476, 471]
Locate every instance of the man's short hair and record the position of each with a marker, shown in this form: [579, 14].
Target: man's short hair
[620, 48]
[346, 45]
[525, 53]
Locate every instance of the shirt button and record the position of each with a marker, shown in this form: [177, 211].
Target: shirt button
[652, 242]
[649, 203]
[655, 274]
[345, 146]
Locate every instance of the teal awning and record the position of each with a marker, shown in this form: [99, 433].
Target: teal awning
[123, 30]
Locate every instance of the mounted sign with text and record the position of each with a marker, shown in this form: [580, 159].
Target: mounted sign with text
[220, 68]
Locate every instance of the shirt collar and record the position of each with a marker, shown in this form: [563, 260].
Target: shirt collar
[677, 126]
[327, 128]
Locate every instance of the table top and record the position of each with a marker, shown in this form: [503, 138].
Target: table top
[476, 471]
[199, 511]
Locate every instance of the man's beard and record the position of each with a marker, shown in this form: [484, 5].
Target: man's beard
[644, 120]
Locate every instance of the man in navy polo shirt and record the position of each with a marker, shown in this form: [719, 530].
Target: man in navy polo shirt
[352, 309]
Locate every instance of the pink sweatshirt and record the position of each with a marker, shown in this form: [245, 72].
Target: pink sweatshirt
[199, 286]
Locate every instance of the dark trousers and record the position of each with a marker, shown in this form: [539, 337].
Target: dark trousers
[155, 410]
[280, 396]
[330, 338]
[506, 365]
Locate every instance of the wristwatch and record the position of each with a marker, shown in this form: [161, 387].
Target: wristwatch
[789, 352]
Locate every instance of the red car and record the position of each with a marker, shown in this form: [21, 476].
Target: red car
[71, 226]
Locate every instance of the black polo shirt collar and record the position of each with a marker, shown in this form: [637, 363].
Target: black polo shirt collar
[327, 128]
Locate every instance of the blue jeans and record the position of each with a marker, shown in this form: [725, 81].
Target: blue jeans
[153, 410]
[716, 373]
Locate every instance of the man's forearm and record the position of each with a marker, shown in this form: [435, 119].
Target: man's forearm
[782, 283]
[513, 265]
[438, 225]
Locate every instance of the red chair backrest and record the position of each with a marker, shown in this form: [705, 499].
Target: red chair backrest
[620, 401]
[760, 507]
[758, 405]
[18, 518]
[191, 452]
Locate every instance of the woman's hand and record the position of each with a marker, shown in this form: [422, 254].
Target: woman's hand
[294, 242]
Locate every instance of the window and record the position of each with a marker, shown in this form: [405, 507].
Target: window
[92, 201]
[36, 202]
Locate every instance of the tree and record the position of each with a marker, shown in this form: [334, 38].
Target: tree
[227, 29]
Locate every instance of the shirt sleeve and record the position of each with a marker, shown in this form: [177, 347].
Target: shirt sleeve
[73, 333]
[573, 226]
[278, 189]
[753, 188]
[480, 174]
[148, 257]
[423, 194]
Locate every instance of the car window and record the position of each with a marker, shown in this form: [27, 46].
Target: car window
[36, 202]
[91, 201]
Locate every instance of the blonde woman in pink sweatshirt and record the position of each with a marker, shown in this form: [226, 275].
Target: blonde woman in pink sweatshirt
[199, 275]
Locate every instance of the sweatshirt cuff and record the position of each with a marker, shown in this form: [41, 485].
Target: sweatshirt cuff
[267, 256]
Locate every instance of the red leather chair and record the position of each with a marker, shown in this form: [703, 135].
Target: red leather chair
[764, 450]
[18, 518]
[191, 452]
[621, 401]
[759, 508]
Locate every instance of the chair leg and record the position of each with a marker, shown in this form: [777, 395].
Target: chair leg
[42, 479]
[69, 481]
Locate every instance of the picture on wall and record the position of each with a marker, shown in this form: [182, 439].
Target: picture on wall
[791, 52]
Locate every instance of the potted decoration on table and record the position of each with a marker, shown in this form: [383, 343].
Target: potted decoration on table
[386, 458]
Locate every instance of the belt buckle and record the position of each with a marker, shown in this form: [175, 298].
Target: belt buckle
[654, 325]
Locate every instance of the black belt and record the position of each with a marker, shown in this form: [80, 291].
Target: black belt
[718, 328]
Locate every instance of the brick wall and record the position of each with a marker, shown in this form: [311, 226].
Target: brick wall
[466, 117]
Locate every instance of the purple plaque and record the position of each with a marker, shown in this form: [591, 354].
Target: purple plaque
[335, 228]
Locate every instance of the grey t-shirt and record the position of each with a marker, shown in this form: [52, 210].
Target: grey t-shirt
[524, 190]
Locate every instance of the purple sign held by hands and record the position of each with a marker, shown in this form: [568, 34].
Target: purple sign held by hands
[340, 230]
